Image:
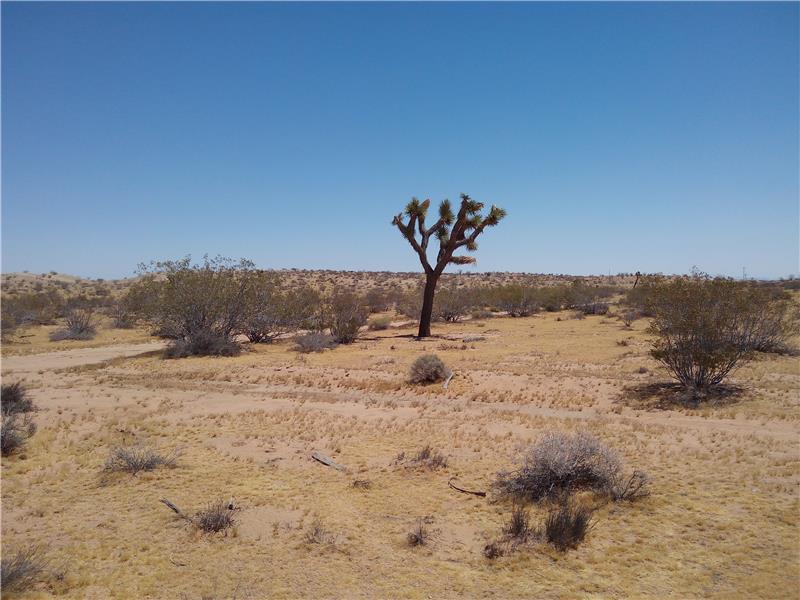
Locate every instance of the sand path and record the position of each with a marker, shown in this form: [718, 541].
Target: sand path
[51, 361]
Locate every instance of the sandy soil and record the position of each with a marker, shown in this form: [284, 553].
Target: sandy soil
[722, 520]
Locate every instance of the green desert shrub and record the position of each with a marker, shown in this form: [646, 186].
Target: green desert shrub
[516, 300]
[348, 314]
[639, 298]
[274, 309]
[704, 328]
[451, 303]
[201, 307]
[203, 343]
[30, 308]
[377, 300]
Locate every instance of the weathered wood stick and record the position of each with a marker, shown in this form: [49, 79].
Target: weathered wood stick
[447, 381]
[175, 509]
[327, 461]
[463, 491]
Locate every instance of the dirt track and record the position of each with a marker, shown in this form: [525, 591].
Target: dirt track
[62, 359]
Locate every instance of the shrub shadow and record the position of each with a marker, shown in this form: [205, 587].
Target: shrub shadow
[669, 395]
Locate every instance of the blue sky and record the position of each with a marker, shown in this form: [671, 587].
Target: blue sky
[620, 137]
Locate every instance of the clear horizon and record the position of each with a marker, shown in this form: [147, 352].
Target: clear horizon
[619, 137]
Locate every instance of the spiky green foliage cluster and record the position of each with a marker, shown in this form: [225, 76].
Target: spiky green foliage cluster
[453, 231]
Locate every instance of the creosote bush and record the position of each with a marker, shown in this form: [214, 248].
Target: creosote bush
[19, 570]
[452, 303]
[203, 344]
[314, 342]
[560, 463]
[274, 309]
[377, 300]
[32, 308]
[201, 307]
[567, 525]
[704, 328]
[133, 459]
[348, 314]
[428, 368]
[15, 399]
[593, 308]
[516, 300]
[123, 312]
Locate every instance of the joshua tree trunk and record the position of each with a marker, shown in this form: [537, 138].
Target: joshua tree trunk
[453, 232]
[427, 305]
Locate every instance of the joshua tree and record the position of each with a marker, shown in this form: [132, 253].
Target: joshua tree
[452, 231]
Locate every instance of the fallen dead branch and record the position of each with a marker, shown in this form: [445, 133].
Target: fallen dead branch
[327, 461]
[447, 381]
[176, 510]
[463, 491]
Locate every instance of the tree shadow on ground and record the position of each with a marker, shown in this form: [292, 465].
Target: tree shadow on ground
[663, 395]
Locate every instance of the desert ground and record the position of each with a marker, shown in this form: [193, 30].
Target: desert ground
[721, 520]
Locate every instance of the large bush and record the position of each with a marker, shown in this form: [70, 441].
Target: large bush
[450, 304]
[706, 327]
[776, 321]
[348, 313]
[123, 311]
[201, 307]
[409, 304]
[516, 300]
[273, 311]
[588, 299]
[33, 308]
[377, 300]
[639, 298]
[453, 303]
